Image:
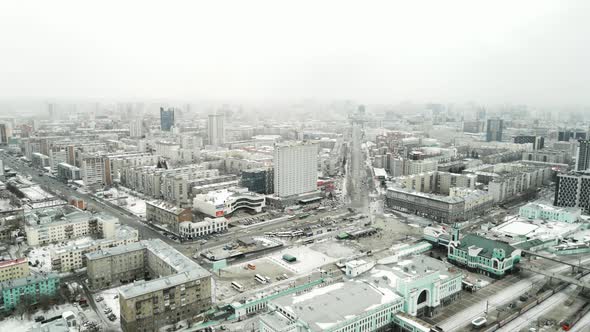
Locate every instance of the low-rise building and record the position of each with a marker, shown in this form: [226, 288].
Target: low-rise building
[162, 212]
[548, 212]
[371, 299]
[30, 289]
[224, 202]
[489, 257]
[180, 289]
[191, 230]
[14, 269]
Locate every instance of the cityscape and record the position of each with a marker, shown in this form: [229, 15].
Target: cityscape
[284, 173]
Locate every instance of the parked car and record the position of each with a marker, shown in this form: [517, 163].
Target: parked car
[100, 298]
[39, 319]
[108, 310]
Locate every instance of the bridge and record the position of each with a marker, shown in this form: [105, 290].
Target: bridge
[545, 272]
[573, 265]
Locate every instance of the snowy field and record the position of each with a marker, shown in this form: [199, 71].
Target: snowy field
[110, 300]
[308, 259]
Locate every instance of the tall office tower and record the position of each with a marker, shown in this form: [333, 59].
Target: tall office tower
[538, 141]
[136, 127]
[295, 168]
[52, 111]
[166, 119]
[573, 190]
[565, 135]
[216, 129]
[583, 159]
[5, 133]
[494, 130]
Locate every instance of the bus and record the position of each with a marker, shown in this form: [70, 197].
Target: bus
[237, 286]
[260, 279]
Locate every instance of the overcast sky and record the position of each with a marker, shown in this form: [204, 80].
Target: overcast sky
[534, 52]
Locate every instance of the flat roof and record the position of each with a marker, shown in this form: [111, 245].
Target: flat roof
[326, 307]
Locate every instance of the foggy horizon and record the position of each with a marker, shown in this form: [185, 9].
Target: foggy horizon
[531, 52]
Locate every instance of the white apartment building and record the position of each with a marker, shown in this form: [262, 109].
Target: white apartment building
[72, 257]
[516, 179]
[216, 129]
[191, 230]
[93, 170]
[167, 149]
[57, 155]
[66, 223]
[119, 161]
[162, 183]
[136, 127]
[295, 168]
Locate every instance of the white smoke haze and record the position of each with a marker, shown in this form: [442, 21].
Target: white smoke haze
[533, 52]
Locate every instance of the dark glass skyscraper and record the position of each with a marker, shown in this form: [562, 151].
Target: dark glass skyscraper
[494, 130]
[166, 119]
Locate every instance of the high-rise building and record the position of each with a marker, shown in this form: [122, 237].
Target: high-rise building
[573, 190]
[136, 127]
[538, 141]
[295, 168]
[216, 129]
[494, 130]
[583, 159]
[258, 180]
[565, 134]
[166, 119]
[5, 133]
[94, 170]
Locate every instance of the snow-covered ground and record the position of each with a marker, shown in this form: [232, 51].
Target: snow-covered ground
[308, 259]
[15, 324]
[127, 199]
[43, 254]
[462, 318]
[110, 300]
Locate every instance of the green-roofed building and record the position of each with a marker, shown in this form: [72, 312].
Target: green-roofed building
[490, 257]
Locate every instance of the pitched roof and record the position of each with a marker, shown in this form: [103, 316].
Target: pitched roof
[488, 245]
